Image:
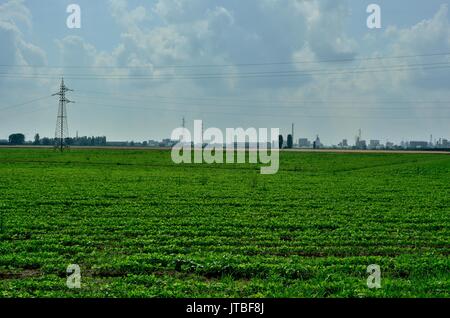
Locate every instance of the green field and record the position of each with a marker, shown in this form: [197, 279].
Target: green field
[140, 226]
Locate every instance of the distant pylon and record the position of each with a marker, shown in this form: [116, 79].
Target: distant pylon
[62, 130]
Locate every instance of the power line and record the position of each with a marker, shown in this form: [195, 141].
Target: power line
[272, 102]
[276, 105]
[268, 74]
[273, 63]
[34, 110]
[25, 103]
[225, 77]
[254, 114]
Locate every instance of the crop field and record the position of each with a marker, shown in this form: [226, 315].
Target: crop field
[140, 226]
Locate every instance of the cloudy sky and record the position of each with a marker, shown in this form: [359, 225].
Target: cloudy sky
[138, 67]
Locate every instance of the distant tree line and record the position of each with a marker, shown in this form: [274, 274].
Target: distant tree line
[87, 141]
[16, 139]
[19, 139]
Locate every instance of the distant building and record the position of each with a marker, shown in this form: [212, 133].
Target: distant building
[304, 143]
[390, 145]
[168, 143]
[360, 144]
[317, 144]
[443, 144]
[343, 144]
[3, 142]
[117, 143]
[374, 144]
[418, 145]
[153, 143]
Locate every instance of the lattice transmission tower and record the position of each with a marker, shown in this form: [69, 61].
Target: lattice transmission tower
[62, 130]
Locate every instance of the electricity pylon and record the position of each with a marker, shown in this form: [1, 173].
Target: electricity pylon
[62, 130]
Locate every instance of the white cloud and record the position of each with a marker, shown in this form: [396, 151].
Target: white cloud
[432, 34]
[15, 12]
[15, 48]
